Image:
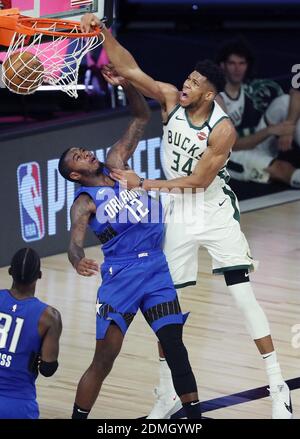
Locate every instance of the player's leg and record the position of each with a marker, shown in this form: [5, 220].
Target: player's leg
[161, 309]
[120, 282]
[239, 285]
[182, 255]
[170, 337]
[89, 386]
[231, 256]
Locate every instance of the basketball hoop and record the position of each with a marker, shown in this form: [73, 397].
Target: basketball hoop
[60, 57]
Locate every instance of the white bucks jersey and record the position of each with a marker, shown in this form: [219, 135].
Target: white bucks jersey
[184, 143]
[235, 107]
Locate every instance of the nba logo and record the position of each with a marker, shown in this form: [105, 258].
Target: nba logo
[30, 201]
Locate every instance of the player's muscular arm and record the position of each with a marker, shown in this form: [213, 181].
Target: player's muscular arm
[165, 94]
[221, 141]
[127, 67]
[81, 211]
[50, 327]
[124, 148]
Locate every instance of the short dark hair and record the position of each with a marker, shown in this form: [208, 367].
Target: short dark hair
[63, 168]
[213, 73]
[236, 47]
[25, 266]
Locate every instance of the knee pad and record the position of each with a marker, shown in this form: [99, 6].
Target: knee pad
[176, 355]
[255, 318]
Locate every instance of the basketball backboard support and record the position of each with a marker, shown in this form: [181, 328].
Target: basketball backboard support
[69, 9]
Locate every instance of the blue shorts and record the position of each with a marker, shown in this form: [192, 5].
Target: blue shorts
[15, 408]
[136, 281]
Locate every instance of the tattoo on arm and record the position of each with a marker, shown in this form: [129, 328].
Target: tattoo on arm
[125, 147]
[137, 103]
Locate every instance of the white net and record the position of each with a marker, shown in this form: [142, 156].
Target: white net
[56, 61]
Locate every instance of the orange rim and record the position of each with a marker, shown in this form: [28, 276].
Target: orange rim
[25, 26]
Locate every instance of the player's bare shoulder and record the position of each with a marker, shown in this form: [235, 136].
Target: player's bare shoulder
[223, 134]
[171, 95]
[83, 205]
[50, 318]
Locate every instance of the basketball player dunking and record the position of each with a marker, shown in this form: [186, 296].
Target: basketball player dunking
[135, 273]
[204, 138]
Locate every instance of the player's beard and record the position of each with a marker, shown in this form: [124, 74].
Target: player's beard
[194, 105]
[93, 173]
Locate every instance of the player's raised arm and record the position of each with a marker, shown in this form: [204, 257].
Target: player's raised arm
[51, 320]
[81, 211]
[123, 149]
[125, 64]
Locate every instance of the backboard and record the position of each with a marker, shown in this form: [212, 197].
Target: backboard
[69, 9]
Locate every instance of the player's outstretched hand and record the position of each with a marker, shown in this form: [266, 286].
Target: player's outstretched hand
[89, 22]
[112, 77]
[128, 179]
[87, 267]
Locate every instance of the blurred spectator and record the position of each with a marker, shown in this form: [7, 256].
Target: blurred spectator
[266, 119]
[5, 4]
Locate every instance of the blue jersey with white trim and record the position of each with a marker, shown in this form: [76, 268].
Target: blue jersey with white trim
[126, 221]
[19, 338]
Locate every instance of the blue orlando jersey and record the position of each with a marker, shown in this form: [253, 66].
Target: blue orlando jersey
[19, 338]
[126, 221]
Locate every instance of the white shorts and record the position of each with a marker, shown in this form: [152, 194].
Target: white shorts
[219, 232]
[251, 165]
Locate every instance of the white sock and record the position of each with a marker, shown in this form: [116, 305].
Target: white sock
[295, 179]
[165, 377]
[273, 370]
